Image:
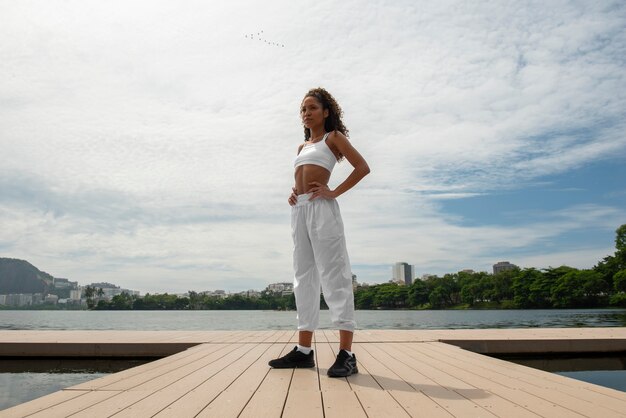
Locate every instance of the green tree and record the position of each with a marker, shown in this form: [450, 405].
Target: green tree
[620, 247]
[502, 285]
[579, 288]
[364, 298]
[417, 294]
[438, 298]
[620, 238]
[471, 293]
[390, 295]
[619, 281]
[89, 294]
[195, 301]
[522, 283]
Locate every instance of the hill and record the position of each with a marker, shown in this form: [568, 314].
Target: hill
[19, 276]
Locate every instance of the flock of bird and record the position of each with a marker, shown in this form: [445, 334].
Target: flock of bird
[259, 35]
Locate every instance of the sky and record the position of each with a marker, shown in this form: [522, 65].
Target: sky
[150, 144]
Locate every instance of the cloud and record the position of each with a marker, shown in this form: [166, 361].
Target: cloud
[154, 143]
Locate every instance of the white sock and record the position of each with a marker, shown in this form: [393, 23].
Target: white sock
[304, 350]
[349, 352]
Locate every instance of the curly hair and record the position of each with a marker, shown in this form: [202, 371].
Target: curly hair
[333, 122]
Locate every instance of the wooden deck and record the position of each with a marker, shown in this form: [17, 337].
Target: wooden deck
[402, 374]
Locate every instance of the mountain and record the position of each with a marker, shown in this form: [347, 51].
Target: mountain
[19, 276]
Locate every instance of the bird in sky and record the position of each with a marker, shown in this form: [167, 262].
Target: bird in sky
[259, 36]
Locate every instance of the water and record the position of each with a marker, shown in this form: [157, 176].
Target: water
[614, 379]
[16, 388]
[24, 379]
[605, 369]
[263, 320]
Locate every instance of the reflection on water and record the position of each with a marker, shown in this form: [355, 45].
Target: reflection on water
[17, 388]
[614, 379]
[263, 320]
[22, 380]
[604, 369]
[68, 365]
[569, 362]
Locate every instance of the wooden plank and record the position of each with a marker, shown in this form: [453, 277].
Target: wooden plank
[269, 399]
[157, 379]
[338, 398]
[363, 380]
[325, 359]
[572, 334]
[75, 405]
[303, 403]
[265, 403]
[112, 405]
[188, 395]
[159, 366]
[607, 396]
[537, 381]
[499, 385]
[305, 379]
[40, 404]
[417, 404]
[379, 403]
[341, 404]
[234, 398]
[416, 379]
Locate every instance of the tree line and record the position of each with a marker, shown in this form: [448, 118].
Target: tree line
[555, 287]
[197, 301]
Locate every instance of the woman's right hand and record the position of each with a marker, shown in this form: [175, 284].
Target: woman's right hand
[294, 197]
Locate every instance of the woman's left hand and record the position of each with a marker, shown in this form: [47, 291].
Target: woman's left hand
[320, 190]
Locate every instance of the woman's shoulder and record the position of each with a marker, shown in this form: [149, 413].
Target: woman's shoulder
[336, 136]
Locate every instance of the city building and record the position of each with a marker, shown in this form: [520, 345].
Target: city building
[53, 299]
[251, 293]
[284, 288]
[21, 299]
[214, 293]
[76, 294]
[64, 283]
[403, 273]
[503, 266]
[109, 290]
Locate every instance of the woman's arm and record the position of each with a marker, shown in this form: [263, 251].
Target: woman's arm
[361, 169]
[293, 198]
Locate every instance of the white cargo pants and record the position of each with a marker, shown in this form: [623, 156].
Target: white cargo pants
[320, 257]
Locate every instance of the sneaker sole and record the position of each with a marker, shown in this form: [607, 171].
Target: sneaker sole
[350, 373]
[307, 366]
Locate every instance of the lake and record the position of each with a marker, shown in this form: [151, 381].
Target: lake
[264, 320]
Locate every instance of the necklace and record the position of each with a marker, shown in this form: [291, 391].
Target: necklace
[313, 141]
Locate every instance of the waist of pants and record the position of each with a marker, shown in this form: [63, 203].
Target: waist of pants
[303, 199]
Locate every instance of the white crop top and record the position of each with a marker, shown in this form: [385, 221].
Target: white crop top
[317, 154]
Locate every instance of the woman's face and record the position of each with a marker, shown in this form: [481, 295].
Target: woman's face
[312, 113]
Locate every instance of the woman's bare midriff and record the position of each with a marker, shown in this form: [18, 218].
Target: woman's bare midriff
[309, 173]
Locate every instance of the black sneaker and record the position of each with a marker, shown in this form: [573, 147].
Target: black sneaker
[293, 360]
[345, 365]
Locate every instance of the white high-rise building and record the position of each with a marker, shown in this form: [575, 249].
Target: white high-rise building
[403, 273]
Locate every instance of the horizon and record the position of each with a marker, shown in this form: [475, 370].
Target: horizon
[153, 142]
[228, 291]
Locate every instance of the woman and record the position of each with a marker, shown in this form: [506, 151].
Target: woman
[320, 255]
